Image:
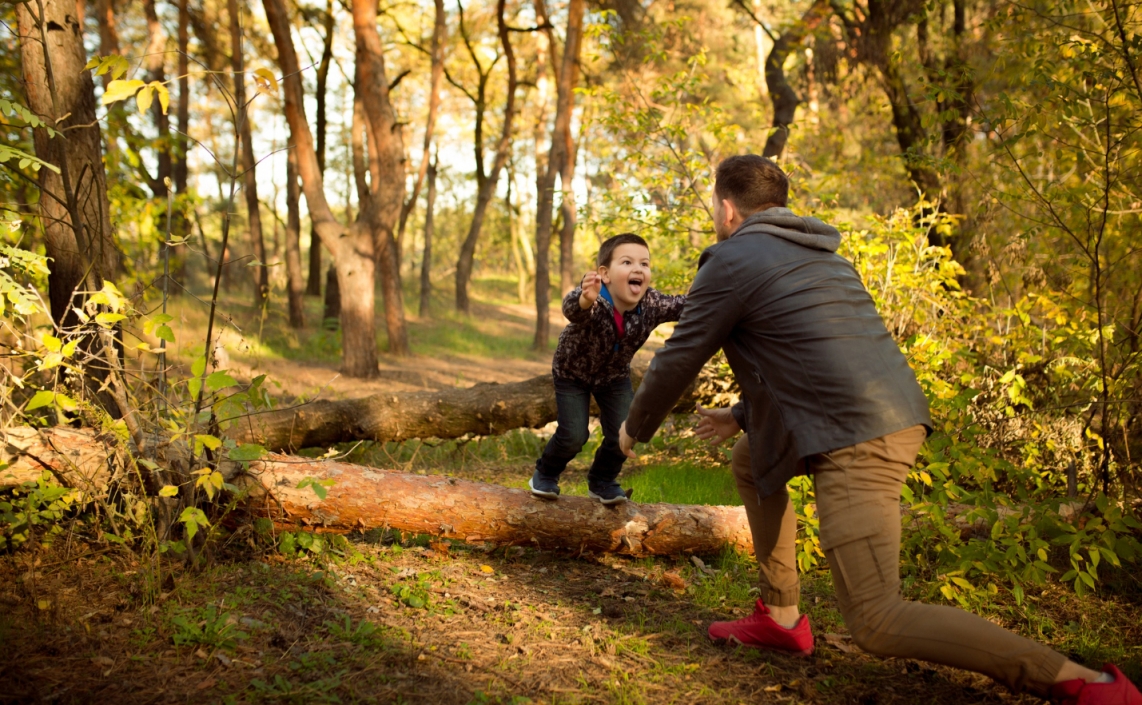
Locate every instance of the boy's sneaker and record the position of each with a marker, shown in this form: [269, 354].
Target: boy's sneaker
[761, 632]
[607, 492]
[1079, 692]
[544, 487]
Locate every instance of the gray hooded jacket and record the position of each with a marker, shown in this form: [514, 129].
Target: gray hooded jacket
[817, 368]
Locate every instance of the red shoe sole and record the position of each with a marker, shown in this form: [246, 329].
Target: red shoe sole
[760, 647]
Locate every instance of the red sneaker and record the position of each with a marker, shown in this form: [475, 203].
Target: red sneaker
[1079, 692]
[761, 632]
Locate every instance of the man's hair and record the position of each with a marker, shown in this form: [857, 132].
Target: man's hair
[752, 183]
[607, 249]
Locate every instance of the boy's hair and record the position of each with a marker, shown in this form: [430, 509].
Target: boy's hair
[607, 249]
[752, 183]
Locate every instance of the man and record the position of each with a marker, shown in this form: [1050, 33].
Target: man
[826, 392]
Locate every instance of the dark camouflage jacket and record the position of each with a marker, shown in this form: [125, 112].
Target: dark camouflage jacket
[590, 351]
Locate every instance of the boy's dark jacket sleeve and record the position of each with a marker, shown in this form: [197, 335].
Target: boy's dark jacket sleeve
[665, 307]
[572, 311]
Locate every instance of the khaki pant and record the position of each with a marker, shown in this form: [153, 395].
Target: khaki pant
[858, 502]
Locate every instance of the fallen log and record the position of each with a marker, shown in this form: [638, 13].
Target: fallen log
[482, 410]
[359, 497]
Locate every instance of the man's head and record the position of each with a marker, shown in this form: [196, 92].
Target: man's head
[746, 184]
[624, 266]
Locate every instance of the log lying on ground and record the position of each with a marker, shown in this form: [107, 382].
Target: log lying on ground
[363, 498]
[482, 410]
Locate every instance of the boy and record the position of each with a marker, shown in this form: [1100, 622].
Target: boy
[611, 313]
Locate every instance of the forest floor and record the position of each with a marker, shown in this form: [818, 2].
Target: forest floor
[381, 617]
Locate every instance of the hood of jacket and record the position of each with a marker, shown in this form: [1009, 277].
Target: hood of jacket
[802, 230]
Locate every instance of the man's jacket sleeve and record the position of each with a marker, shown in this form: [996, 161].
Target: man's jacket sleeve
[712, 310]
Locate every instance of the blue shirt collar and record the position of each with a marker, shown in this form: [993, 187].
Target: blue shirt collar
[607, 296]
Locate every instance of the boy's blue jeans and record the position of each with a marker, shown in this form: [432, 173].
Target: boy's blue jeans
[573, 408]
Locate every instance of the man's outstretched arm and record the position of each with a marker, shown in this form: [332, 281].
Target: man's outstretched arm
[712, 310]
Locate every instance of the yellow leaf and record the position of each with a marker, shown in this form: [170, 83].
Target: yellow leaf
[487, 569]
[43, 604]
[168, 491]
[144, 98]
[266, 79]
[164, 95]
[120, 90]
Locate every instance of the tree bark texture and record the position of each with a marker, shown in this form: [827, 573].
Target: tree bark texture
[364, 497]
[181, 165]
[294, 283]
[567, 212]
[249, 165]
[426, 257]
[487, 184]
[156, 71]
[349, 247]
[546, 181]
[313, 285]
[381, 212]
[73, 203]
[484, 410]
[436, 52]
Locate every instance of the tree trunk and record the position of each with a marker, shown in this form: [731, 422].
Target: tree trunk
[487, 189]
[294, 282]
[426, 258]
[349, 248]
[386, 158]
[332, 313]
[73, 203]
[156, 47]
[546, 182]
[567, 278]
[313, 286]
[181, 170]
[439, 37]
[363, 497]
[483, 410]
[249, 176]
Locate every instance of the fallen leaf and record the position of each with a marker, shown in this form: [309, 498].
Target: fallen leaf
[841, 642]
[674, 581]
[205, 683]
[223, 659]
[201, 653]
[102, 661]
[773, 688]
[487, 569]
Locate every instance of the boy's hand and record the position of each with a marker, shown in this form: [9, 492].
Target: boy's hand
[591, 284]
[716, 425]
[626, 442]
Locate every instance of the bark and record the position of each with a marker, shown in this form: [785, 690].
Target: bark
[73, 204]
[567, 279]
[426, 257]
[484, 410]
[439, 36]
[546, 181]
[156, 71]
[294, 283]
[350, 247]
[108, 33]
[181, 170]
[363, 497]
[379, 215]
[486, 183]
[313, 286]
[332, 314]
[249, 166]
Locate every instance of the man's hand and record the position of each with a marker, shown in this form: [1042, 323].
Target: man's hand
[626, 442]
[716, 425]
[591, 284]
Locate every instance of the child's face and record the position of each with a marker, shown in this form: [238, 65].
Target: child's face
[628, 275]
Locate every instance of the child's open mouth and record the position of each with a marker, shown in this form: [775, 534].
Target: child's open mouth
[635, 285]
